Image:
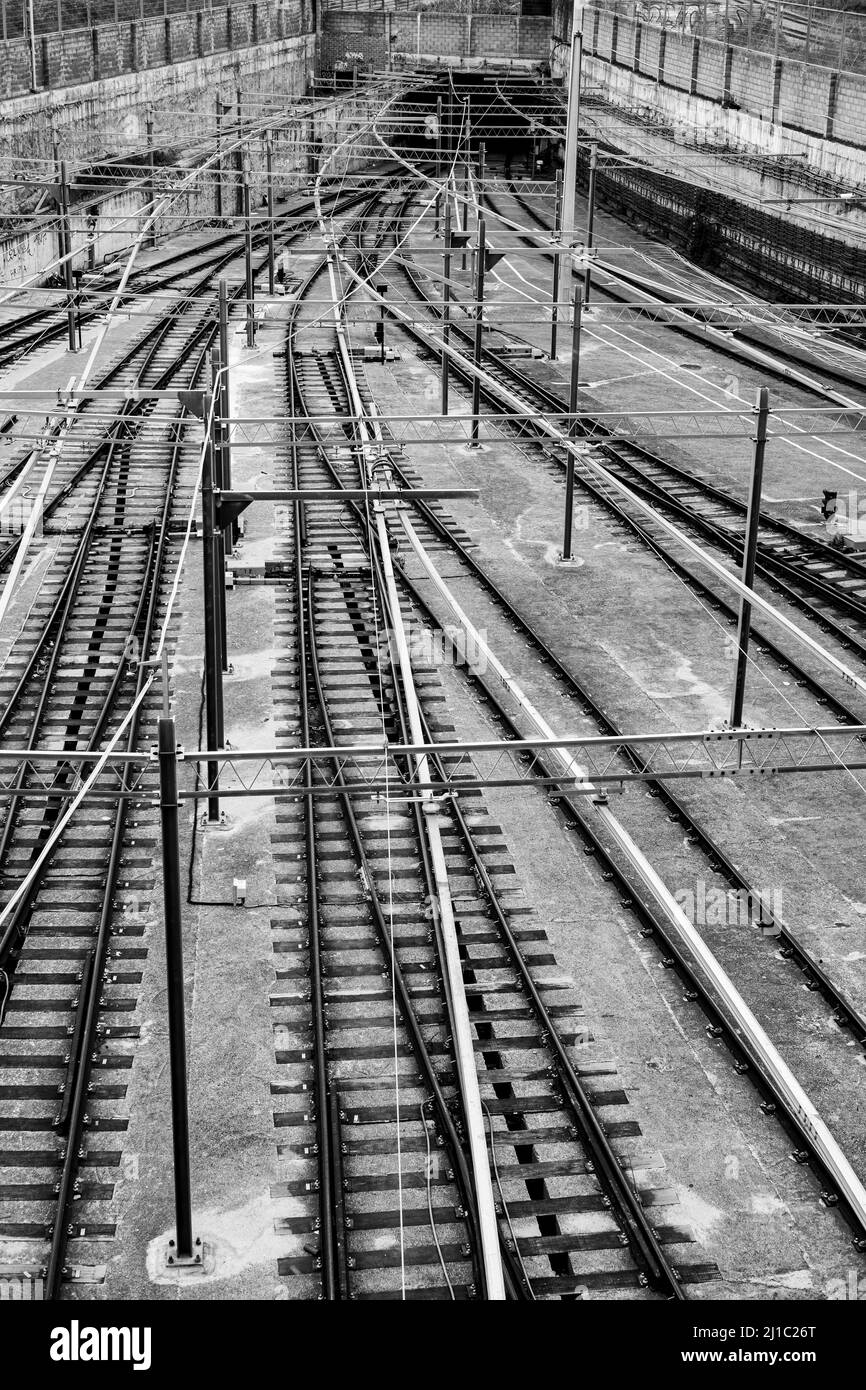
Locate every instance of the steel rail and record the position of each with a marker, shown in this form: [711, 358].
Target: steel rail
[72, 1117]
[86, 1041]
[640, 1235]
[846, 1012]
[799, 1109]
[333, 1255]
[771, 567]
[693, 953]
[445, 1120]
[844, 1009]
[551, 431]
[153, 277]
[642, 1239]
[494, 1285]
[740, 344]
[463, 369]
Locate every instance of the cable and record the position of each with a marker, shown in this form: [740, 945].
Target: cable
[529, 1287]
[427, 1169]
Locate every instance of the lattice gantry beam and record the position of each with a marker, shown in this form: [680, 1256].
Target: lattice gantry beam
[382, 768]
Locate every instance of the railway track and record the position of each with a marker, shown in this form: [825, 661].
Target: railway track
[35, 328]
[713, 864]
[364, 1020]
[72, 936]
[825, 583]
[367, 932]
[532, 393]
[72, 949]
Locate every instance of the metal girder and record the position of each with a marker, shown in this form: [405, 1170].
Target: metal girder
[737, 423]
[382, 767]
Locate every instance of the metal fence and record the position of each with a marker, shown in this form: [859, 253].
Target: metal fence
[833, 37]
[58, 16]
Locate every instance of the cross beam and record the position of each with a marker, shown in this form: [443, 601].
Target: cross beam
[383, 768]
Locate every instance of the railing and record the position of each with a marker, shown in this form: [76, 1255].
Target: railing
[831, 37]
[58, 16]
[167, 32]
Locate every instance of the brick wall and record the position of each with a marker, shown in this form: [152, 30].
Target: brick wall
[649, 50]
[803, 97]
[711, 68]
[605, 34]
[752, 80]
[107, 50]
[625, 42]
[495, 38]
[678, 61]
[353, 32]
[442, 33]
[534, 40]
[850, 104]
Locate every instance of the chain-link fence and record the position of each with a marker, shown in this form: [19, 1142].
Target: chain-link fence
[833, 37]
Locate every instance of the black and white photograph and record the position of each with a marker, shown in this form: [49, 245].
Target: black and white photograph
[432, 675]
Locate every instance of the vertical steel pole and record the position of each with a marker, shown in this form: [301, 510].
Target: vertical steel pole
[218, 166]
[248, 261]
[452, 134]
[151, 191]
[446, 305]
[590, 222]
[233, 531]
[381, 289]
[169, 808]
[31, 30]
[753, 517]
[465, 205]
[438, 204]
[76, 276]
[65, 240]
[269, 167]
[480, 256]
[572, 425]
[572, 128]
[557, 264]
[239, 154]
[219, 535]
[212, 671]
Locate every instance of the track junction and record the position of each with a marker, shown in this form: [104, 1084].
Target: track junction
[446, 1121]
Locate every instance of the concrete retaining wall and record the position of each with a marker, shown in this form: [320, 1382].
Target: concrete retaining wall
[101, 118]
